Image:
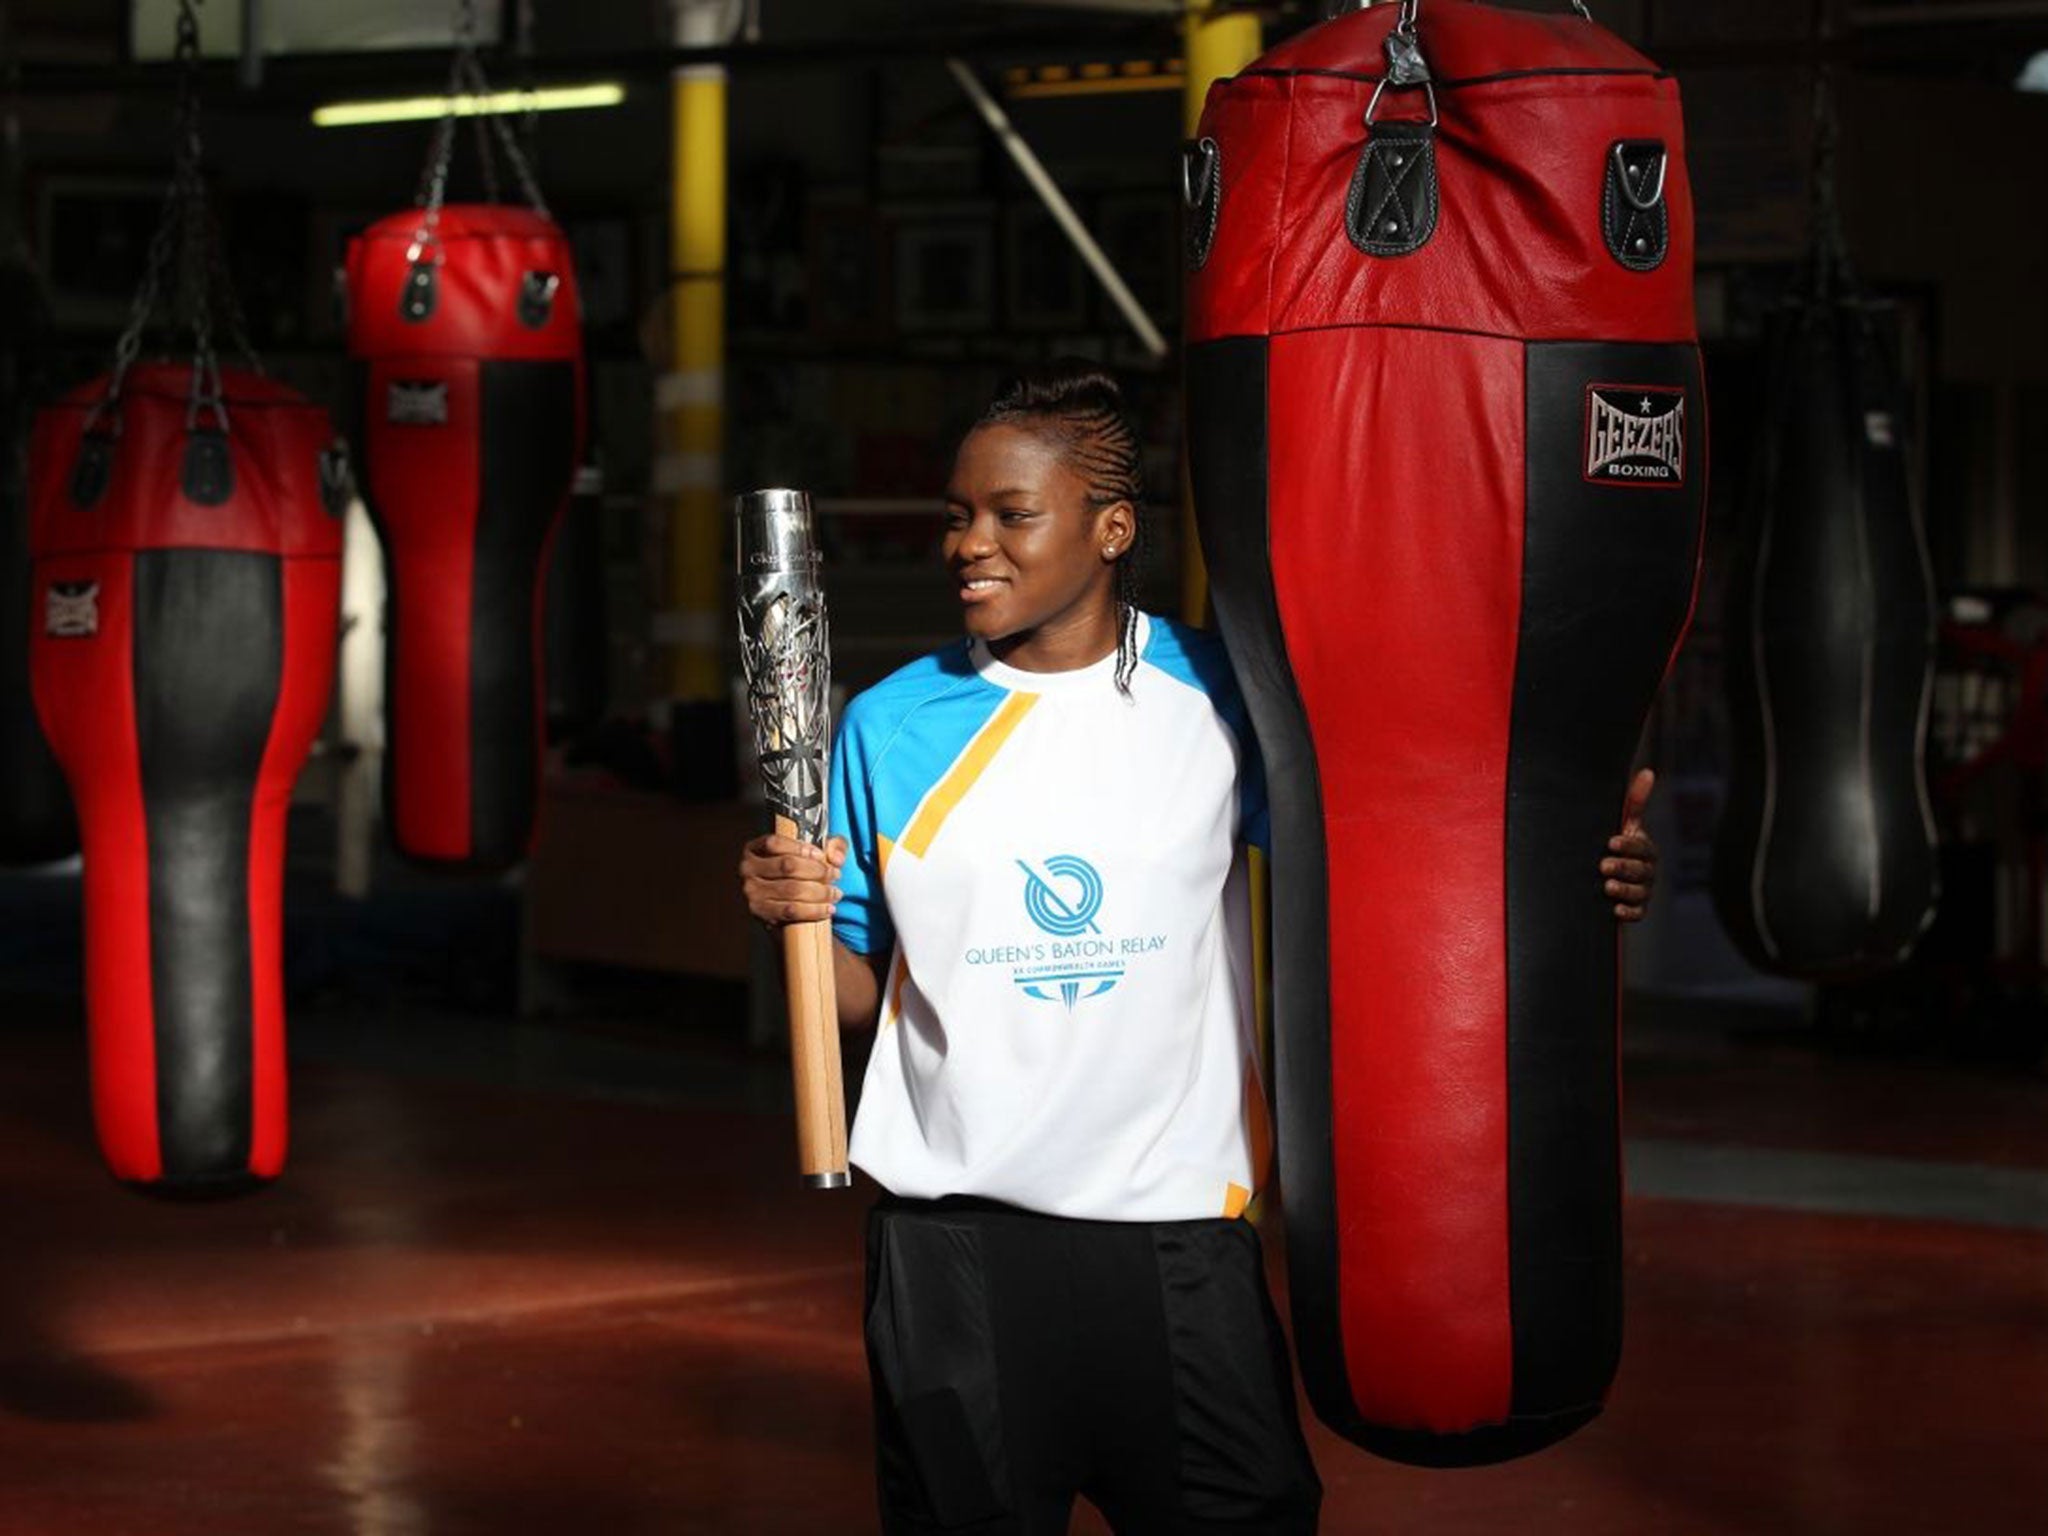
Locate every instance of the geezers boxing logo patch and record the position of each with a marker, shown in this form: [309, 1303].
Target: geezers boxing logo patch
[416, 403]
[1072, 959]
[1635, 434]
[71, 610]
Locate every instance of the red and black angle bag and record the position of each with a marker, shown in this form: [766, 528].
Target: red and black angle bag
[470, 341]
[1447, 436]
[187, 573]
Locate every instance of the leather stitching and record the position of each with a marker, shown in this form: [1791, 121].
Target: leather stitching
[1415, 208]
[1622, 222]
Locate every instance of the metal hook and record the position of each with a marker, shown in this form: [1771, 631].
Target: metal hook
[1635, 198]
[1195, 185]
[1372, 107]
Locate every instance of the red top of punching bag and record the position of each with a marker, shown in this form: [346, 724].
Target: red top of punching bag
[1463, 41]
[486, 257]
[1531, 108]
[279, 446]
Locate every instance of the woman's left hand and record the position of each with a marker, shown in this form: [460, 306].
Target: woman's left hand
[1630, 868]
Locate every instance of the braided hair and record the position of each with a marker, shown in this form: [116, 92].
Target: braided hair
[1082, 408]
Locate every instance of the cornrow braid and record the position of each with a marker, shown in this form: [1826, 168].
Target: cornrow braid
[1083, 409]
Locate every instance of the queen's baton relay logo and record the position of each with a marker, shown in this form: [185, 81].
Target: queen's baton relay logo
[1075, 960]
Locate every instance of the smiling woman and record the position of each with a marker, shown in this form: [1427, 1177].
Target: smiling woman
[1043, 524]
[1072, 1112]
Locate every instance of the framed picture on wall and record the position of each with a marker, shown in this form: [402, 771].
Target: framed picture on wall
[1045, 281]
[93, 234]
[848, 274]
[1140, 233]
[945, 276]
[604, 272]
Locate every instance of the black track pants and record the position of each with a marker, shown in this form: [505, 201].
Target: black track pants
[1019, 1360]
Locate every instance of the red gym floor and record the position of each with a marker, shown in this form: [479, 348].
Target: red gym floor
[474, 1306]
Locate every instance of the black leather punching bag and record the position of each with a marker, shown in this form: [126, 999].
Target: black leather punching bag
[36, 824]
[1824, 861]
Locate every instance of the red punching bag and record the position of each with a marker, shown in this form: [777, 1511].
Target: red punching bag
[1446, 431]
[185, 536]
[465, 322]
[187, 588]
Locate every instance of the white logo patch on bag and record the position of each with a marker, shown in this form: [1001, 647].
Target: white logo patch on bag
[416, 403]
[1635, 434]
[71, 609]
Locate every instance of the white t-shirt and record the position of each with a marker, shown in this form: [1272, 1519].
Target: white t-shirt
[1059, 875]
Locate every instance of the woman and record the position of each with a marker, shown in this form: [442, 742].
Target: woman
[1037, 884]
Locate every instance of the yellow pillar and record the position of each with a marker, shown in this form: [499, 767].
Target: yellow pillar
[692, 396]
[1219, 43]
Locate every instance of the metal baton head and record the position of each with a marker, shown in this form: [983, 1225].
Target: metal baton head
[785, 652]
[776, 534]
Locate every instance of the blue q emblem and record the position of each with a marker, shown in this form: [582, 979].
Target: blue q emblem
[1053, 910]
[1062, 896]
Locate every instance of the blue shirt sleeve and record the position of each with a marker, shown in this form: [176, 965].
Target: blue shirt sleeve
[861, 920]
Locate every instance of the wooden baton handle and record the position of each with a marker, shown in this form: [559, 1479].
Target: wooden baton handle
[814, 1048]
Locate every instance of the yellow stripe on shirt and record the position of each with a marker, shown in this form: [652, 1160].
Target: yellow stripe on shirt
[894, 1010]
[952, 789]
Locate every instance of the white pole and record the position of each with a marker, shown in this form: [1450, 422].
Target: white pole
[1057, 205]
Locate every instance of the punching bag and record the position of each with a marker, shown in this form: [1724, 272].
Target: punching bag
[36, 824]
[1825, 862]
[187, 585]
[1446, 433]
[470, 344]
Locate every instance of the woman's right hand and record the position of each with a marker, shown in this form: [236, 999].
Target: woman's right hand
[787, 881]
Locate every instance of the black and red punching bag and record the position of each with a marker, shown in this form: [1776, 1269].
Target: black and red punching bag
[469, 336]
[187, 590]
[1447, 437]
[36, 824]
[1825, 859]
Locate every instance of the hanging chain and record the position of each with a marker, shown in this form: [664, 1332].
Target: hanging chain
[186, 267]
[194, 272]
[1831, 265]
[508, 142]
[486, 163]
[465, 77]
[225, 294]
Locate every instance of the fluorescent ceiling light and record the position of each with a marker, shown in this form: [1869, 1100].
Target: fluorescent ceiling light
[416, 109]
[2035, 76]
